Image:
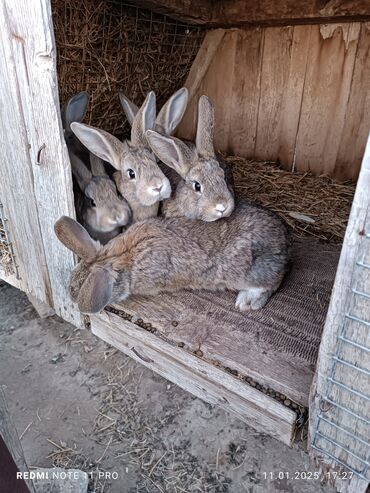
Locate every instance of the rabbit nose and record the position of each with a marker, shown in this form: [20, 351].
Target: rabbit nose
[157, 188]
[220, 208]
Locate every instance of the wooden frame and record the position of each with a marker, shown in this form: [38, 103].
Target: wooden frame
[233, 13]
[345, 302]
[197, 376]
[35, 153]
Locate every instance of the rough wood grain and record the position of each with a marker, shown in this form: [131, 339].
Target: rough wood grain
[326, 91]
[265, 12]
[356, 247]
[205, 55]
[356, 121]
[196, 376]
[292, 97]
[10, 437]
[16, 181]
[41, 158]
[274, 79]
[43, 310]
[295, 94]
[244, 103]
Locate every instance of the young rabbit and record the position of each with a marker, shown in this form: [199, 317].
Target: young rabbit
[204, 192]
[98, 205]
[140, 181]
[247, 252]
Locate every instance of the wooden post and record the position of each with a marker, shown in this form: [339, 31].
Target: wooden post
[339, 425]
[35, 174]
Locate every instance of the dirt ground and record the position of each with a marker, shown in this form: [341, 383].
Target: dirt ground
[77, 402]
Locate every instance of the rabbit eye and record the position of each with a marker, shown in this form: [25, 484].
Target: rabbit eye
[131, 173]
[93, 203]
[197, 186]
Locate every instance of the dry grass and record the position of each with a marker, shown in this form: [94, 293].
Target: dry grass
[312, 205]
[136, 440]
[106, 46]
[6, 256]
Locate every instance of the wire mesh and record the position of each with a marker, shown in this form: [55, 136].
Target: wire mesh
[7, 260]
[343, 426]
[105, 47]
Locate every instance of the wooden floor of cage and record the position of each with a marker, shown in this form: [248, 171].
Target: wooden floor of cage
[268, 354]
[259, 365]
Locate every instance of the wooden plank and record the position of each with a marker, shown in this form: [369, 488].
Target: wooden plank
[247, 355]
[356, 245]
[357, 118]
[306, 95]
[43, 310]
[245, 92]
[10, 437]
[274, 78]
[33, 50]
[326, 91]
[292, 96]
[196, 376]
[16, 181]
[196, 75]
[222, 94]
[265, 12]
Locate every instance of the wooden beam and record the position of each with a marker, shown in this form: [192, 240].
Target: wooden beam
[35, 172]
[199, 377]
[347, 319]
[264, 13]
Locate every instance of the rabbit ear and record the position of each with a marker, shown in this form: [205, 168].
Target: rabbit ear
[97, 166]
[75, 237]
[101, 143]
[205, 128]
[96, 291]
[144, 120]
[171, 151]
[172, 112]
[80, 171]
[75, 109]
[130, 109]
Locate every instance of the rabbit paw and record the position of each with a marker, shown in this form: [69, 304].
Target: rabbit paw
[252, 299]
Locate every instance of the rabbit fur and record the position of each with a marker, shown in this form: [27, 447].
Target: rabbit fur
[98, 205]
[248, 252]
[202, 179]
[138, 178]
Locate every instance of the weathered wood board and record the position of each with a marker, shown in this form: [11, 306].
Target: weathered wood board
[35, 174]
[197, 376]
[340, 396]
[263, 12]
[298, 94]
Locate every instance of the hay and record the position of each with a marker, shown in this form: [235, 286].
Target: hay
[312, 205]
[105, 47]
[6, 255]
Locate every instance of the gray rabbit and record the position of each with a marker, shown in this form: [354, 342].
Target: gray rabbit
[202, 180]
[139, 180]
[99, 207]
[247, 252]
